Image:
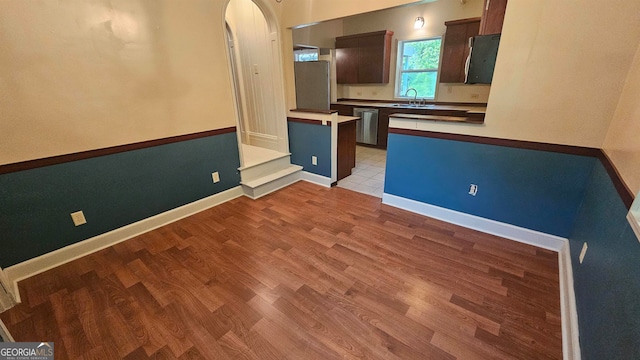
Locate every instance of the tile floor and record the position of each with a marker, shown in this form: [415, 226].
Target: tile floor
[368, 175]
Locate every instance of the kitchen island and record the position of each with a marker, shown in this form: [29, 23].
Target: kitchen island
[324, 143]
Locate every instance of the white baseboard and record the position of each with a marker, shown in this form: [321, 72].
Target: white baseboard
[4, 332]
[61, 256]
[512, 232]
[316, 179]
[569, 312]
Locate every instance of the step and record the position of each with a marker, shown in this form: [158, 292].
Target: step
[269, 183]
[256, 171]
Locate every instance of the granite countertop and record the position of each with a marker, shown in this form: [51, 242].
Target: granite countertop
[460, 119]
[450, 112]
[480, 108]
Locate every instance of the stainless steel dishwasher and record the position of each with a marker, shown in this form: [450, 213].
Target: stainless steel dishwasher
[367, 127]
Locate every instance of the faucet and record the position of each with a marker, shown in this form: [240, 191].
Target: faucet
[414, 96]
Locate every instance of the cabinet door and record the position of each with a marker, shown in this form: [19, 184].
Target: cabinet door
[493, 17]
[347, 61]
[346, 149]
[371, 60]
[383, 126]
[364, 58]
[456, 49]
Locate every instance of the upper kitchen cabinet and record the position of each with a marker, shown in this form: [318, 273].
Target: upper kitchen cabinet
[492, 17]
[364, 58]
[456, 49]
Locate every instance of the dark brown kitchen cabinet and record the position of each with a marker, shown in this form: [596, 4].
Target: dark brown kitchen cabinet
[493, 17]
[346, 148]
[364, 58]
[456, 49]
[346, 110]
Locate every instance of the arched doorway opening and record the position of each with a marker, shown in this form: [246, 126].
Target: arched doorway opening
[256, 67]
[255, 64]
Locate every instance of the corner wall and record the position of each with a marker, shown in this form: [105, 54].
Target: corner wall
[607, 284]
[622, 144]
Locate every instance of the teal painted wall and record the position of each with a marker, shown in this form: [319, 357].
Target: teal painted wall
[607, 283]
[306, 140]
[112, 191]
[538, 190]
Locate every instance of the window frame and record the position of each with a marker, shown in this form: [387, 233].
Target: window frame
[400, 71]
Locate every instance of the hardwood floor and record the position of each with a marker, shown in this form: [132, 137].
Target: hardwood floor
[304, 273]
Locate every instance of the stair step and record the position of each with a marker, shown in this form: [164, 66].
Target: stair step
[269, 183]
[271, 177]
[266, 168]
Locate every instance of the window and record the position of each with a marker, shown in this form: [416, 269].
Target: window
[418, 62]
[305, 54]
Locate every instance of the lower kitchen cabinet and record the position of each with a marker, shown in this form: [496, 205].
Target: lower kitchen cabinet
[346, 148]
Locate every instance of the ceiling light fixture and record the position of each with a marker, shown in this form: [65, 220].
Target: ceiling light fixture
[419, 23]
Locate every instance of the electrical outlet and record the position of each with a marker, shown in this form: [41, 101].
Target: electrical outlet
[583, 252]
[473, 189]
[215, 176]
[314, 160]
[78, 218]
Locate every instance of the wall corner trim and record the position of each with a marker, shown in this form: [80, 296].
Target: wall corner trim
[316, 179]
[568, 310]
[45, 262]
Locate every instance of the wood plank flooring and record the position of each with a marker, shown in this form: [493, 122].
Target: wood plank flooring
[304, 273]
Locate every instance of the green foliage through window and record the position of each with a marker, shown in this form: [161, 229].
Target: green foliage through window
[419, 61]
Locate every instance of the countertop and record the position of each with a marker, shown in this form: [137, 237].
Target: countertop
[479, 109]
[464, 119]
[450, 112]
[343, 119]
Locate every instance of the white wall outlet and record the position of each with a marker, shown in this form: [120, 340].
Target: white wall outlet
[215, 176]
[583, 252]
[78, 218]
[473, 189]
[314, 160]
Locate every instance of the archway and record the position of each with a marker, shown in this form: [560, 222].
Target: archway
[256, 68]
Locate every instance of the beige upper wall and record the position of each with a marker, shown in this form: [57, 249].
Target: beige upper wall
[623, 139]
[304, 12]
[560, 71]
[84, 74]
[322, 35]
